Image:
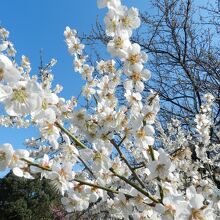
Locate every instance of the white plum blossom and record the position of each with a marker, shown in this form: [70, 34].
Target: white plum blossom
[135, 58]
[22, 98]
[48, 107]
[86, 72]
[129, 19]
[119, 45]
[88, 91]
[72, 41]
[194, 208]
[8, 71]
[111, 20]
[101, 155]
[144, 136]
[101, 66]
[74, 202]
[4, 33]
[161, 167]
[6, 154]
[108, 3]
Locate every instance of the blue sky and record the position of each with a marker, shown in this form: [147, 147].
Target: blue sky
[39, 24]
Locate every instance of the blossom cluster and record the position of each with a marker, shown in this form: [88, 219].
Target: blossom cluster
[105, 153]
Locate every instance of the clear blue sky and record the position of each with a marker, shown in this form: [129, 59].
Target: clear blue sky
[40, 24]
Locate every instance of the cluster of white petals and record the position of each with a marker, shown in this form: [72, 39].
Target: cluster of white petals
[106, 152]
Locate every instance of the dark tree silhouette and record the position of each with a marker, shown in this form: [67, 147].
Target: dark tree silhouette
[25, 199]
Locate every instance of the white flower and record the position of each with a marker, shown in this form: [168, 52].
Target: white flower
[209, 97]
[44, 162]
[73, 42]
[60, 175]
[201, 119]
[106, 85]
[50, 132]
[135, 58]
[47, 112]
[3, 46]
[21, 99]
[6, 154]
[101, 155]
[129, 19]
[119, 45]
[194, 208]
[8, 71]
[108, 3]
[123, 204]
[75, 202]
[161, 167]
[101, 66]
[88, 91]
[138, 200]
[5, 91]
[3, 33]
[25, 62]
[47, 115]
[19, 167]
[201, 153]
[86, 72]
[139, 75]
[144, 136]
[111, 20]
[133, 98]
[74, 45]
[22, 172]
[69, 32]
[18, 155]
[11, 50]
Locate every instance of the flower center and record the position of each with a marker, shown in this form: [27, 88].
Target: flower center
[126, 21]
[97, 156]
[109, 118]
[141, 133]
[80, 116]
[136, 76]
[110, 96]
[86, 70]
[119, 43]
[76, 47]
[68, 33]
[110, 67]
[134, 58]
[160, 168]
[19, 95]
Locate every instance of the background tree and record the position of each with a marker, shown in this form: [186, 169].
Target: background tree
[26, 199]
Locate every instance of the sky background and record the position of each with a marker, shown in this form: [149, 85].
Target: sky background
[39, 24]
